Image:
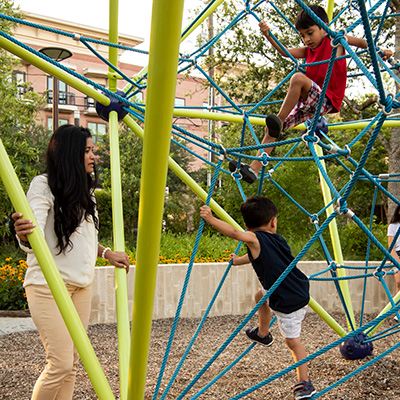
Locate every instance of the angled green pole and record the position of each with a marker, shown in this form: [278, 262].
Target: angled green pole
[388, 306]
[337, 248]
[163, 63]
[54, 280]
[121, 284]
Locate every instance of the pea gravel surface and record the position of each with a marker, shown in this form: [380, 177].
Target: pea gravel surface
[22, 358]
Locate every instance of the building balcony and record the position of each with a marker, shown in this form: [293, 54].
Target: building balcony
[90, 106]
[66, 101]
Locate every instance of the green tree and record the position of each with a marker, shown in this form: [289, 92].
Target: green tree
[263, 68]
[131, 162]
[17, 116]
[176, 211]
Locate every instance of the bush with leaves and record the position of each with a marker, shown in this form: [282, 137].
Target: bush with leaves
[18, 126]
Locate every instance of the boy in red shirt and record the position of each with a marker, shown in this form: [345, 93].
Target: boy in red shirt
[305, 89]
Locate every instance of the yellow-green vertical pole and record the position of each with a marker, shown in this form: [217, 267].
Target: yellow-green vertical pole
[163, 62]
[54, 280]
[337, 249]
[329, 8]
[121, 290]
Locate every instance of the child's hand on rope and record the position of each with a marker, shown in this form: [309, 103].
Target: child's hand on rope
[233, 257]
[385, 54]
[205, 213]
[264, 28]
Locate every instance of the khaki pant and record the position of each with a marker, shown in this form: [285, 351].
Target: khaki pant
[57, 380]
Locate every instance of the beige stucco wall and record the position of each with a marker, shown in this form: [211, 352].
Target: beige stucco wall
[236, 296]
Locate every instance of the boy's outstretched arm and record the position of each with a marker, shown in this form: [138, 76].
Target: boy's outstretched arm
[225, 228]
[236, 260]
[362, 44]
[299, 52]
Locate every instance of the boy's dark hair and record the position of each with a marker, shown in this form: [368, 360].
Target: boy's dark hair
[304, 21]
[258, 211]
[396, 215]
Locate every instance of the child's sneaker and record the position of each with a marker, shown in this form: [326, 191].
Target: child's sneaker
[247, 173]
[274, 125]
[252, 333]
[303, 390]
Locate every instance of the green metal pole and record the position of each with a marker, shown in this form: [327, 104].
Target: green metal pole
[121, 285]
[202, 19]
[54, 280]
[337, 249]
[396, 298]
[327, 318]
[163, 63]
[180, 112]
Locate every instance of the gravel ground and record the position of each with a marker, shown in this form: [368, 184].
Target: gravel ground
[22, 359]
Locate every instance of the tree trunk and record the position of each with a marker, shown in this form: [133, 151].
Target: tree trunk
[394, 142]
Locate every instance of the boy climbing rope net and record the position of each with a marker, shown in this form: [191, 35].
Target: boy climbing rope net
[270, 255]
[304, 91]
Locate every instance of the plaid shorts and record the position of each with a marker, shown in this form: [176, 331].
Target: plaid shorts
[305, 110]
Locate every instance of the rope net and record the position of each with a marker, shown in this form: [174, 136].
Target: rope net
[321, 149]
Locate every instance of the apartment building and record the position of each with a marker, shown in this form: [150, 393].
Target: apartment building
[75, 107]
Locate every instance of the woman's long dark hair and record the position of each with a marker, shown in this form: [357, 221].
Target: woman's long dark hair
[69, 182]
[396, 215]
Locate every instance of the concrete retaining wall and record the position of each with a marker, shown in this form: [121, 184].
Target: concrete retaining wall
[237, 293]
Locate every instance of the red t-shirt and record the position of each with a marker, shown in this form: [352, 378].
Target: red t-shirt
[317, 73]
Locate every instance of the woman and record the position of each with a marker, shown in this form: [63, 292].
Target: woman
[64, 206]
[392, 229]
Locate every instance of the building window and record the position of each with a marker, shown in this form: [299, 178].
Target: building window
[179, 102]
[60, 122]
[20, 79]
[98, 130]
[64, 97]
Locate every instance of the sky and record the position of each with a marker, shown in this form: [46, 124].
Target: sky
[134, 16]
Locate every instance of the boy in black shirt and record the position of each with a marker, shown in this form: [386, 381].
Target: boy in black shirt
[270, 255]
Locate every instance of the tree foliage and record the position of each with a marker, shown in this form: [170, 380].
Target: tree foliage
[21, 137]
[177, 204]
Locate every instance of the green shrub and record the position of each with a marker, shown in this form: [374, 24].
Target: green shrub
[12, 294]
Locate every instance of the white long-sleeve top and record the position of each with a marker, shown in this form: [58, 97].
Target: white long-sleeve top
[76, 264]
[392, 229]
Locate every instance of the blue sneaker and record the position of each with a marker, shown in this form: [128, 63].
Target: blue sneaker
[303, 390]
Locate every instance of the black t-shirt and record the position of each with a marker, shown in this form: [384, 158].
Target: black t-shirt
[275, 255]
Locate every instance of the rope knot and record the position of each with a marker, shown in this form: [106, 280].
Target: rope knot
[379, 274]
[335, 41]
[333, 266]
[387, 105]
[264, 160]
[342, 208]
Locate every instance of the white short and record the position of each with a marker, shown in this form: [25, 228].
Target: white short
[290, 324]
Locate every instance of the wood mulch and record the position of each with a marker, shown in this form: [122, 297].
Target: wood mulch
[22, 359]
